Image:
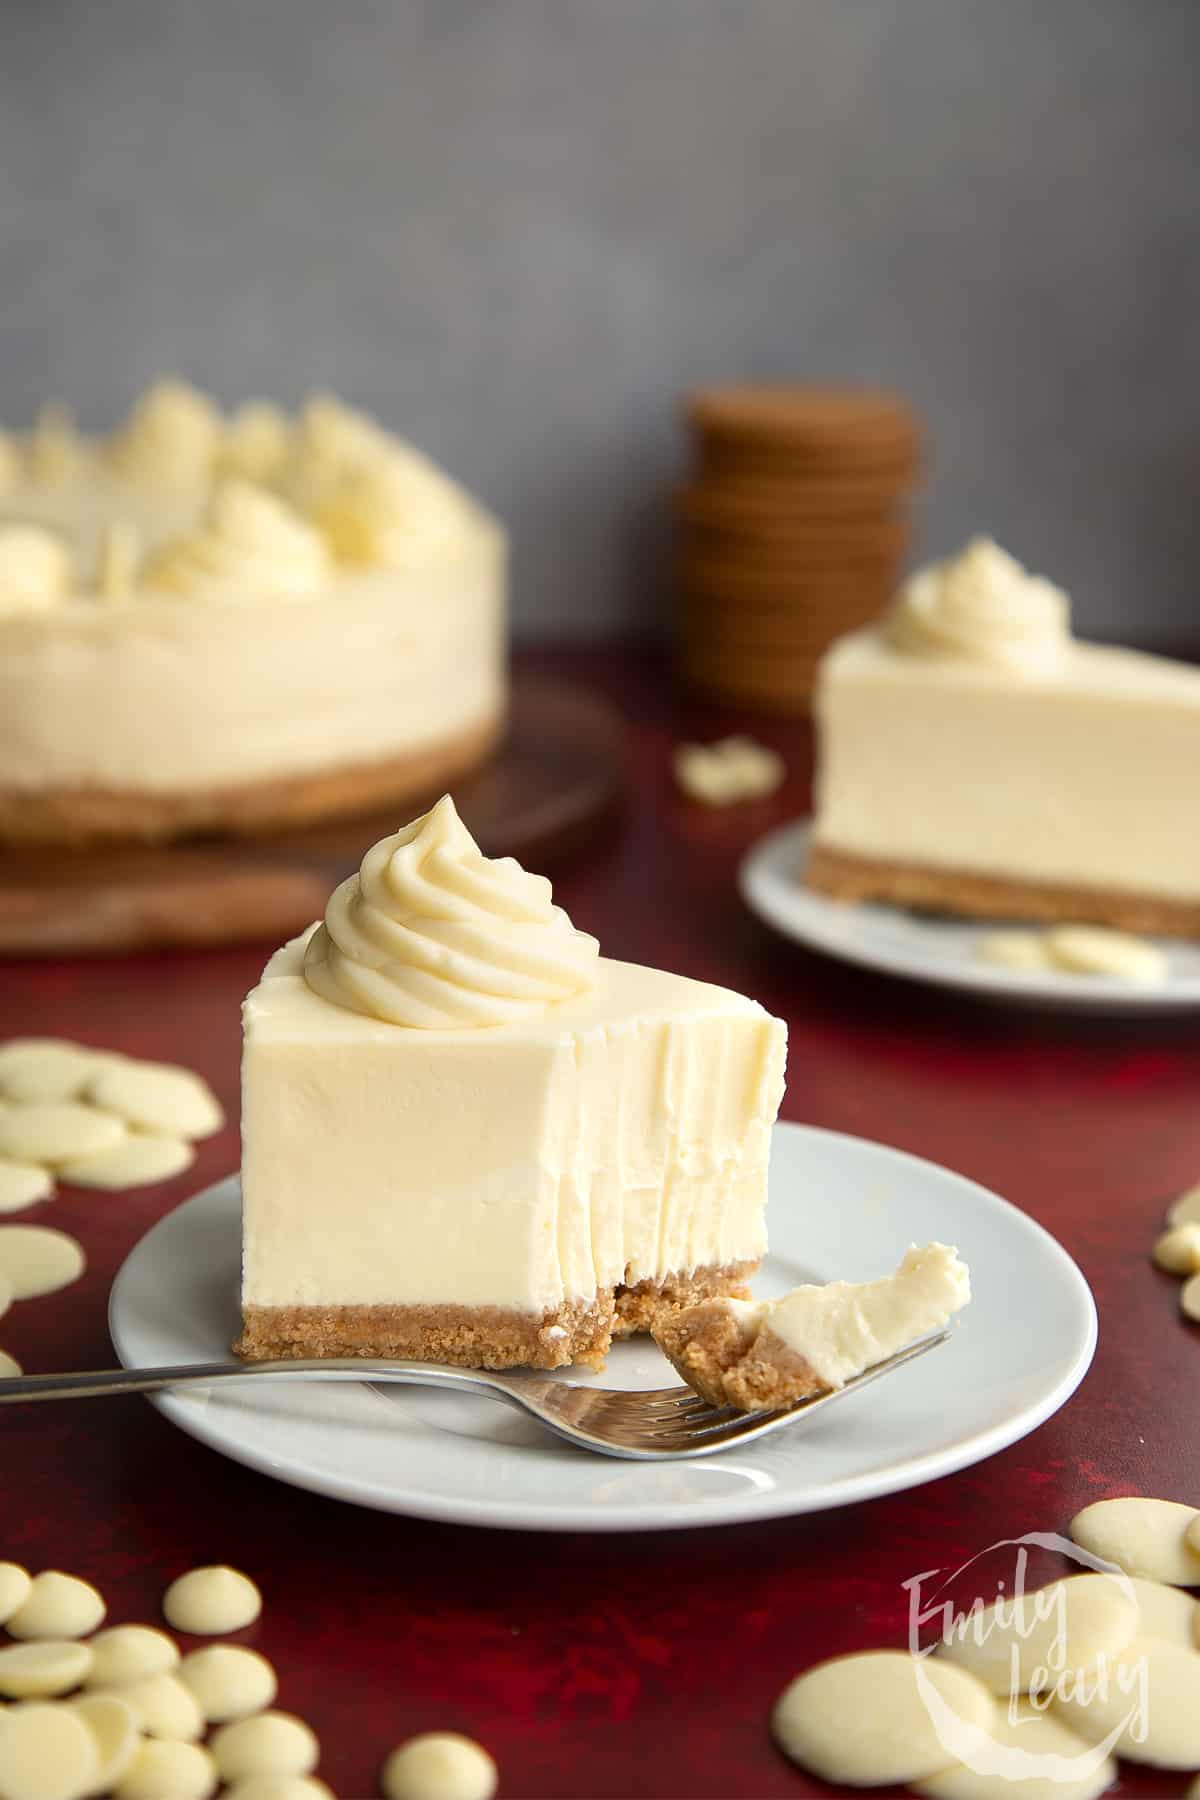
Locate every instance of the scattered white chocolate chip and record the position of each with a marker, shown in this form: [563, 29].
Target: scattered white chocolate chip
[113, 1725]
[36, 1260]
[1014, 950]
[1075, 1622]
[29, 1671]
[279, 1787]
[211, 1602]
[45, 1068]
[228, 1682]
[273, 1743]
[126, 1653]
[23, 1184]
[1186, 1209]
[862, 1720]
[1143, 1537]
[157, 1097]
[1166, 1613]
[1189, 1301]
[57, 1606]
[1178, 1250]
[1152, 1691]
[439, 1765]
[9, 1365]
[15, 1583]
[164, 1707]
[46, 1753]
[140, 1157]
[1094, 950]
[166, 1771]
[55, 1131]
[1033, 1732]
[704, 777]
[760, 770]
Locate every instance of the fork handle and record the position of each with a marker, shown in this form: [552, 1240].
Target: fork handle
[90, 1384]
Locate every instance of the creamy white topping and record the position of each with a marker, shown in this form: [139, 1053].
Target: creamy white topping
[431, 933]
[393, 510]
[331, 445]
[984, 607]
[171, 437]
[35, 568]
[251, 546]
[255, 444]
[841, 1328]
[56, 451]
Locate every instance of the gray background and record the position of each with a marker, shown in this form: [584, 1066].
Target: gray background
[519, 228]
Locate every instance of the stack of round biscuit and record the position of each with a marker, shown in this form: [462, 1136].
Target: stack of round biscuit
[793, 528]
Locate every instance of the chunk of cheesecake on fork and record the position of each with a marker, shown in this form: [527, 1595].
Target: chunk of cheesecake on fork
[759, 1355]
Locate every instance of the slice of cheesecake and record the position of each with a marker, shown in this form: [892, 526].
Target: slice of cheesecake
[763, 1354]
[974, 757]
[469, 1138]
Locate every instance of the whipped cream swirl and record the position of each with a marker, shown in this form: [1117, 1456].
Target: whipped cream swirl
[984, 607]
[35, 568]
[171, 437]
[394, 512]
[250, 547]
[433, 934]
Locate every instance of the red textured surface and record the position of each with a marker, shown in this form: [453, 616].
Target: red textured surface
[606, 1667]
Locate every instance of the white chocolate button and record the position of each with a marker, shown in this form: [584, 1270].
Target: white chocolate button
[55, 1131]
[36, 1259]
[44, 1069]
[23, 1184]
[139, 1158]
[57, 1606]
[439, 1765]
[1093, 950]
[1178, 1250]
[164, 1771]
[1153, 1691]
[127, 1653]
[862, 1720]
[8, 1365]
[228, 1682]
[279, 1787]
[15, 1583]
[1143, 1537]
[1185, 1210]
[1166, 1613]
[1070, 1624]
[164, 1707]
[46, 1753]
[705, 777]
[1031, 1733]
[28, 1671]
[274, 1743]
[759, 769]
[211, 1602]
[1014, 950]
[113, 1725]
[158, 1097]
[1189, 1303]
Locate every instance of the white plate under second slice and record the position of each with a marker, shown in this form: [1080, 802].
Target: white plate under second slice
[839, 1208]
[935, 948]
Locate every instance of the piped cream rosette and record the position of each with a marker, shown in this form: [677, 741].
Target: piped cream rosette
[251, 546]
[982, 606]
[431, 933]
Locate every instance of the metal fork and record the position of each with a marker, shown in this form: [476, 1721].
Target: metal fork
[646, 1425]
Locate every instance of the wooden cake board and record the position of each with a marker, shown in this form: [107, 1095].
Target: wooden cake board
[553, 782]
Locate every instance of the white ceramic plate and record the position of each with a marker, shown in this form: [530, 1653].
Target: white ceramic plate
[839, 1207]
[925, 947]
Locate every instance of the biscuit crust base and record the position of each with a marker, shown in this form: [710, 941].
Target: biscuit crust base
[481, 1337]
[928, 889]
[732, 1363]
[83, 816]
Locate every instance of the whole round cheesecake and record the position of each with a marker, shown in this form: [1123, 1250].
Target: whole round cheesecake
[215, 623]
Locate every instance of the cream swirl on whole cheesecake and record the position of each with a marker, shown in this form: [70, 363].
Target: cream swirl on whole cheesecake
[251, 546]
[982, 606]
[433, 934]
[35, 568]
